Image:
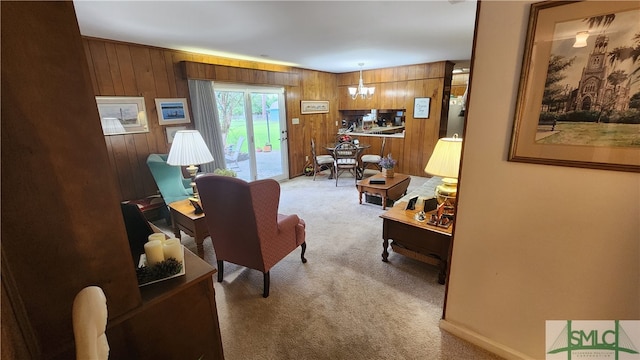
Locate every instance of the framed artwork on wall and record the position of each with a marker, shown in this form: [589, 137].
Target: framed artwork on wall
[421, 108]
[314, 107]
[173, 111]
[171, 132]
[122, 115]
[578, 101]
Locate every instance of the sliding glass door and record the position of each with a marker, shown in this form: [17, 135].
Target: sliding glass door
[253, 124]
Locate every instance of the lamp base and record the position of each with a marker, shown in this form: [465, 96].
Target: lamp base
[446, 196]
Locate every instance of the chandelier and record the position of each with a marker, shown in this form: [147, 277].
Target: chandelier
[364, 91]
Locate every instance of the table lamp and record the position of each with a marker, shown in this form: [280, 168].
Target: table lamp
[188, 149]
[445, 162]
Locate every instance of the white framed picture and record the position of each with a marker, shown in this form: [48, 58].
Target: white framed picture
[421, 108]
[122, 115]
[172, 111]
[171, 132]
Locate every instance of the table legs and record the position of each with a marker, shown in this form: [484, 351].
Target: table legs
[385, 251]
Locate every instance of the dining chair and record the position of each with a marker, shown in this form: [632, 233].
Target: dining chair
[345, 158]
[320, 162]
[373, 159]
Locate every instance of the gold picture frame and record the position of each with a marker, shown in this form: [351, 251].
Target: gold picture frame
[570, 111]
[314, 107]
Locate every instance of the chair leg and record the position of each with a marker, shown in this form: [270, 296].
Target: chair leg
[304, 248]
[220, 270]
[265, 291]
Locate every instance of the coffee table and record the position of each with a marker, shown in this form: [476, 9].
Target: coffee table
[394, 188]
[183, 217]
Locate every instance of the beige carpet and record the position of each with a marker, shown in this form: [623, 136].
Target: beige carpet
[345, 303]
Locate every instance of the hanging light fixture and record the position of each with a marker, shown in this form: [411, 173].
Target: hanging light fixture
[364, 91]
[581, 39]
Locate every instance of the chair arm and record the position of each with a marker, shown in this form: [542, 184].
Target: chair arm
[286, 222]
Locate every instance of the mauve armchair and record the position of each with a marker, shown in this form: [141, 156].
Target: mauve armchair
[245, 226]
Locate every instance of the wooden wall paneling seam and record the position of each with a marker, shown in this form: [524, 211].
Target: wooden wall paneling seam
[114, 70]
[171, 75]
[159, 74]
[132, 162]
[127, 72]
[103, 72]
[90, 63]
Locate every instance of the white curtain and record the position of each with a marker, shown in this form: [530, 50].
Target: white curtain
[205, 120]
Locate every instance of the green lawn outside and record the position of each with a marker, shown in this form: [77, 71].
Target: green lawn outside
[239, 128]
[595, 134]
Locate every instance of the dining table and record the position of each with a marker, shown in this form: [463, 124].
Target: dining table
[331, 147]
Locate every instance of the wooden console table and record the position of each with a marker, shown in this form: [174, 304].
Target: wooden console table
[178, 319]
[415, 239]
[183, 217]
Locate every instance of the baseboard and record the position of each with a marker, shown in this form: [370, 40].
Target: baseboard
[483, 342]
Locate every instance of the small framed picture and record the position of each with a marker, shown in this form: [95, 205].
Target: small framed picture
[171, 132]
[122, 115]
[411, 205]
[314, 107]
[172, 111]
[421, 108]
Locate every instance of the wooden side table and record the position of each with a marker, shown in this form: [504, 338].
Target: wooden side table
[183, 217]
[394, 188]
[417, 240]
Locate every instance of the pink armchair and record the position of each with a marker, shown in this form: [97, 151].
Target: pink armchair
[245, 226]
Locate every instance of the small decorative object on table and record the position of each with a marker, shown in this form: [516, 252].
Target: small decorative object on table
[162, 260]
[387, 163]
[344, 138]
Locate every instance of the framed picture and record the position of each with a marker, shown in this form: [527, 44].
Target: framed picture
[421, 108]
[172, 111]
[122, 115]
[171, 132]
[578, 101]
[314, 107]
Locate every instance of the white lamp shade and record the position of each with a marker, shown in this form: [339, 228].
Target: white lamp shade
[112, 125]
[188, 148]
[352, 91]
[445, 160]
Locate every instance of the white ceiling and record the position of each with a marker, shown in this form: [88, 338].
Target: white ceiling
[332, 36]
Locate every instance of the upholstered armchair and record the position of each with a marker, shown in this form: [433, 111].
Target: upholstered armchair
[244, 224]
[172, 185]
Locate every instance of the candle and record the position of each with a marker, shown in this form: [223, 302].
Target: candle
[153, 252]
[157, 236]
[173, 249]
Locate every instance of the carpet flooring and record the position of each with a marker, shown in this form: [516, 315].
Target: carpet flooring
[344, 303]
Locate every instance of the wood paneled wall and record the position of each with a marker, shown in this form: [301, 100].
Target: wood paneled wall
[62, 228]
[124, 69]
[396, 88]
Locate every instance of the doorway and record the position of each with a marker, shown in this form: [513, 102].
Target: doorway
[254, 132]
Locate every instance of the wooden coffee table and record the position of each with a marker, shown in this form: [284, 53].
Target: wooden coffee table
[183, 217]
[394, 188]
